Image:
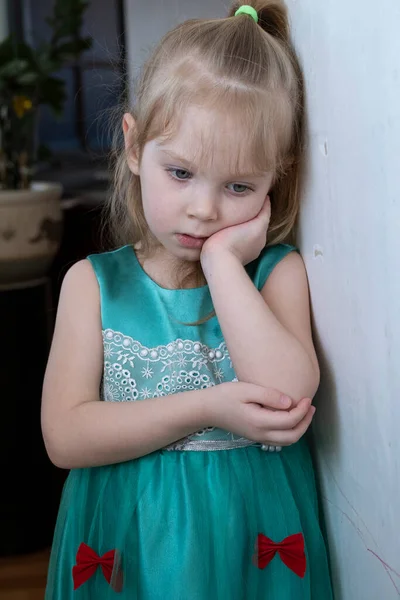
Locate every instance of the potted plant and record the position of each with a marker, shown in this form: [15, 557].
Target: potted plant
[30, 211]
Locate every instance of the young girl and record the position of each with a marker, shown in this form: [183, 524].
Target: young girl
[189, 478]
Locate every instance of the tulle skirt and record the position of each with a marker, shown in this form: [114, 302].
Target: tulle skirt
[179, 525]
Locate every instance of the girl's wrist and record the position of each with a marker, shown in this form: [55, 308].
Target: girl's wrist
[213, 404]
[217, 259]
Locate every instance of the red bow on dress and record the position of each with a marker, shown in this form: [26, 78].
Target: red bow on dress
[87, 562]
[290, 550]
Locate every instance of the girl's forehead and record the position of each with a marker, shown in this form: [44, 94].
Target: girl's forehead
[211, 140]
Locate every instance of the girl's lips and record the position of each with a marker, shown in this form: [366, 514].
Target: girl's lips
[188, 241]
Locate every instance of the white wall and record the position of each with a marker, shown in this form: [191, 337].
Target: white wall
[350, 239]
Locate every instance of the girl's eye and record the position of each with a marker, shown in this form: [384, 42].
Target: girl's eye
[239, 188]
[180, 174]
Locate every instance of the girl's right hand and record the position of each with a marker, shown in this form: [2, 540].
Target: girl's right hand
[258, 413]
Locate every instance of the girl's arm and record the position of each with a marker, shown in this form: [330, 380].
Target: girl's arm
[268, 334]
[81, 431]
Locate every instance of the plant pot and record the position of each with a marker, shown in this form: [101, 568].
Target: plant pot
[30, 231]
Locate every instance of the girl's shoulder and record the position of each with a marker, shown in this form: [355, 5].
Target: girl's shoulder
[260, 269]
[115, 268]
[112, 261]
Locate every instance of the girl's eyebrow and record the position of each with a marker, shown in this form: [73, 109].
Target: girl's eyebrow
[178, 158]
[190, 166]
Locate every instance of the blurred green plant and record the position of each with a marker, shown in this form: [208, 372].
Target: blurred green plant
[27, 81]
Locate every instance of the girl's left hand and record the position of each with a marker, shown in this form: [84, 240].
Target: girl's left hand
[245, 241]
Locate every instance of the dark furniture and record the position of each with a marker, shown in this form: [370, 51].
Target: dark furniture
[31, 486]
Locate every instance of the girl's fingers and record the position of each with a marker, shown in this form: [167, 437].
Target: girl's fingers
[291, 436]
[265, 212]
[289, 419]
[274, 400]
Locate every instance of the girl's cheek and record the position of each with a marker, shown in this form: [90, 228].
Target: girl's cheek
[158, 213]
[243, 212]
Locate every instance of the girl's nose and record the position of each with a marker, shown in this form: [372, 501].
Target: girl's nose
[203, 206]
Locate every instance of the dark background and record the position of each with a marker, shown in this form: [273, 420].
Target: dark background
[80, 143]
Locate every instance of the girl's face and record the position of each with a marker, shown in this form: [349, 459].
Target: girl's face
[193, 185]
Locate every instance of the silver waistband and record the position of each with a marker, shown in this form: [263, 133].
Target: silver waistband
[212, 445]
[209, 445]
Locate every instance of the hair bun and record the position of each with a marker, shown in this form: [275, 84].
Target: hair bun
[272, 16]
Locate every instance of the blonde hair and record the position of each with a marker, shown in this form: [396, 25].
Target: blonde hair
[233, 62]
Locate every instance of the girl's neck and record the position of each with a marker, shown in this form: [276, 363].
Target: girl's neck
[168, 271]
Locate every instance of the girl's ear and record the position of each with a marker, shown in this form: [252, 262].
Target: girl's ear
[129, 128]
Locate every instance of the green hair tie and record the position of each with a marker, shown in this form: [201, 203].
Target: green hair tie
[247, 10]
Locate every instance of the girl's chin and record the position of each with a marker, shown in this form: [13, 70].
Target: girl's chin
[188, 256]
[178, 252]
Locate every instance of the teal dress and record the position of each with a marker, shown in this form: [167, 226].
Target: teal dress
[213, 516]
